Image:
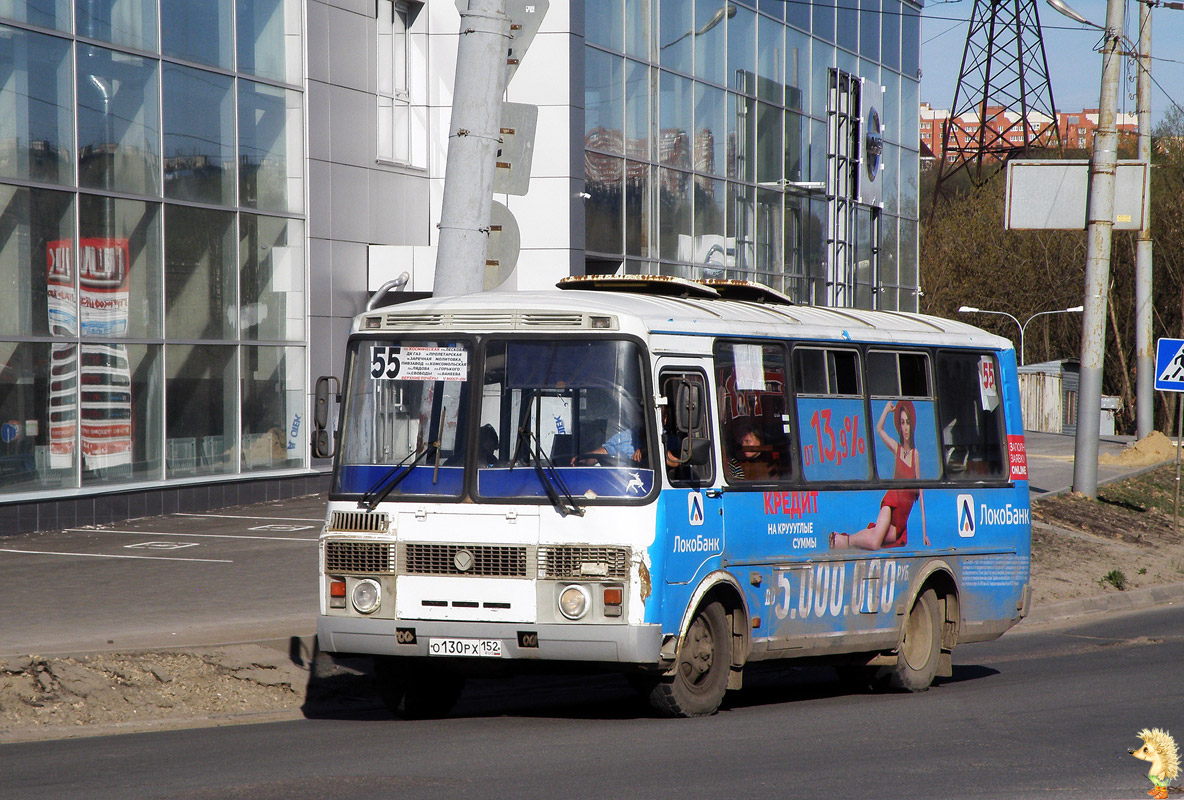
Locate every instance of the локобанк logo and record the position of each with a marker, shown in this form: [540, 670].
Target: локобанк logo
[695, 508]
[965, 516]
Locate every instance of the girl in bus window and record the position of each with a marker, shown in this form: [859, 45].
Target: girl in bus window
[890, 526]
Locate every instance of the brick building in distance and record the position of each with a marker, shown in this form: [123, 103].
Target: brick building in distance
[1077, 127]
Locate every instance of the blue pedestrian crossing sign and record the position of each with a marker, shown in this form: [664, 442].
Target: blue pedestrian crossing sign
[1169, 365]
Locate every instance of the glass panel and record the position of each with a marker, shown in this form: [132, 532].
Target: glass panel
[910, 164]
[603, 24]
[711, 130]
[676, 34]
[200, 300]
[795, 285]
[118, 122]
[818, 150]
[891, 178]
[890, 37]
[637, 110]
[741, 133]
[269, 39]
[122, 389]
[271, 279]
[119, 267]
[847, 24]
[576, 405]
[741, 219]
[270, 148]
[768, 231]
[711, 244]
[793, 146]
[824, 19]
[273, 402]
[770, 152]
[604, 108]
[43, 414]
[752, 383]
[797, 69]
[675, 215]
[638, 14]
[36, 107]
[198, 136]
[400, 399]
[36, 263]
[866, 238]
[908, 265]
[889, 275]
[798, 14]
[675, 120]
[741, 50]
[198, 30]
[639, 217]
[603, 181]
[201, 409]
[869, 29]
[131, 23]
[46, 13]
[770, 64]
[910, 42]
[710, 40]
[910, 133]
[890, 107]
[774, 8]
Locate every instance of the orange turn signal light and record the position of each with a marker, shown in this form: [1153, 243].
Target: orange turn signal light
[612, 596]
[337, 589]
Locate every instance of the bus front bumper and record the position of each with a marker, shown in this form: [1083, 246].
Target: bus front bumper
[609, 644]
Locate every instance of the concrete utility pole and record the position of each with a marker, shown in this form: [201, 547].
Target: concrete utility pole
[1144, 343]
[1099, 232]
[473, 138]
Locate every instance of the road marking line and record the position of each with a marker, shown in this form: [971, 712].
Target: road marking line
[104, 555]
[245, 516]
[194, 535]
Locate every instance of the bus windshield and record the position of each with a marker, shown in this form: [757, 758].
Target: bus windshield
[405, 411]
[572, 410]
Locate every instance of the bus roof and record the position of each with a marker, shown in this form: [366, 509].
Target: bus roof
[571, 310]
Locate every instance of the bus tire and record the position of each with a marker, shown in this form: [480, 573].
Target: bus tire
[431, 694]
[920, 645]
[701, 674]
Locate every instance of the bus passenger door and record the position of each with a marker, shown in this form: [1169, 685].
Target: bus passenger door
[691, 505]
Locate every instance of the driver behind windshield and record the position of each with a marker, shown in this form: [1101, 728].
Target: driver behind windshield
[622, 446]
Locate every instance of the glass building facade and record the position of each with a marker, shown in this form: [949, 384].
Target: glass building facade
[152, 244]
[725, 138]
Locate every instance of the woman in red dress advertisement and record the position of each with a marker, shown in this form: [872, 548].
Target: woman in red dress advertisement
[890, 527]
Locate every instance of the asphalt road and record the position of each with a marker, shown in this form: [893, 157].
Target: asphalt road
[1034, 715]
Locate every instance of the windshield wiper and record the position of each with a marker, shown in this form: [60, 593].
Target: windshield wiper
[387, 483]
[550, 478]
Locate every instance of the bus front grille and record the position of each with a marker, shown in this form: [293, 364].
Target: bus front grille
[457, 559]
[359, 522]
[359, 558]
[577, 561]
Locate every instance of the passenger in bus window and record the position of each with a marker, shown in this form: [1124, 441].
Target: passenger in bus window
[890, 529]
[750, 459]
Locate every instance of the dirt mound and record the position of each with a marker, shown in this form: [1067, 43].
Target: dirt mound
[1154, 448]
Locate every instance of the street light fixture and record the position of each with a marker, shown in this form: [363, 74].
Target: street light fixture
[1024, 325]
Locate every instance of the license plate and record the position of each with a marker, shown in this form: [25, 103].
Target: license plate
[468, 648]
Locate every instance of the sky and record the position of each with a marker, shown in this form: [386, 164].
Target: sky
[1074, 66]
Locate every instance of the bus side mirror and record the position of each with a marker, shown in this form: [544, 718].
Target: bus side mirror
[695, 451]
[321, 446]
[688, 407]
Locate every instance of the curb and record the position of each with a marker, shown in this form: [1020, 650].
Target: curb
[1134, 600]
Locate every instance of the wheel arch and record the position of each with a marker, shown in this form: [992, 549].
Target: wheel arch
[938, 576]
[723, 586]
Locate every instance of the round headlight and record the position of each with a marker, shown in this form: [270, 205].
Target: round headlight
[574, 602]
[367, 596]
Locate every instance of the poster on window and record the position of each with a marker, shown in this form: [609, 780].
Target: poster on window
[89, 381]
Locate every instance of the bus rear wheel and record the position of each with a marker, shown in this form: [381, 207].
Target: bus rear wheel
[920, 645]
[701, 675]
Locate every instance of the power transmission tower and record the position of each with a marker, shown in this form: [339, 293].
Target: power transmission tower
[1003, 102]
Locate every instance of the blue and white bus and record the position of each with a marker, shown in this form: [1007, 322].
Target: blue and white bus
[671, 478]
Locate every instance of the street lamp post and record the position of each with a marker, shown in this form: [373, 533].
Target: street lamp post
[1022, 326]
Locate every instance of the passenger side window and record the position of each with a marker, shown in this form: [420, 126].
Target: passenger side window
[751, 380]
[905, 441]
[970, 413]
[831, 414]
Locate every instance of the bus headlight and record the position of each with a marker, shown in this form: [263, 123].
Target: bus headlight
[574, 601]
[367, 596]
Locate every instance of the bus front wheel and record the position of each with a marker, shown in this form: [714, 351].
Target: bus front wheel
[413, 691]
[920, 645]
[701, 675]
